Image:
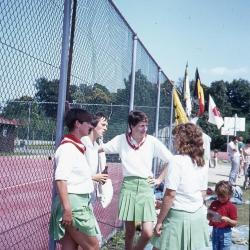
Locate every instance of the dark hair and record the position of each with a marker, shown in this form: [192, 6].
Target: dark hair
[234, 138]
[188, 141]
[223, 188]
[135, 117]
[76, 114]
[97, 117]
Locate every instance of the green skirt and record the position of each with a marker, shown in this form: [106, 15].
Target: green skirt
[183, 230]
[136, 201]
[83, 217]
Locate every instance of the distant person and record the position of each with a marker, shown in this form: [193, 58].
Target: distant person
[246, 160]
[234, 156]
[72, 220]
[137, 150]
[222, 215]
[241, 144]
[181, 223]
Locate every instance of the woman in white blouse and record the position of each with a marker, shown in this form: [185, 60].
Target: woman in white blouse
[72, 220]
[182, 222]
[137, 150]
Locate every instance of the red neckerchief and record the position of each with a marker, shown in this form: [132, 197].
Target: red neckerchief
[132, 144]
[75, 141]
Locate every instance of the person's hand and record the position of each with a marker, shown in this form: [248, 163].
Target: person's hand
[158, 229]
[67, 217]
[153, 182]
[224, 218]
[157, 182]
[158, 204]
[101, 178]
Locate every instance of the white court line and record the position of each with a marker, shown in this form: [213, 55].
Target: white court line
[25, 184]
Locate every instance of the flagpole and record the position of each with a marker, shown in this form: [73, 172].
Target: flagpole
[155, 161]
[235, 118]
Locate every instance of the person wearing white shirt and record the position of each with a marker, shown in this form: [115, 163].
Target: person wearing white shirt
[92, 143]
[181, 223]
[97, 161]
[72, 221]
[137, 150]
[234, 156]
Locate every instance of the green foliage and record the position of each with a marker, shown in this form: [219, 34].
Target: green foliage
[47, 95]
[37, 114]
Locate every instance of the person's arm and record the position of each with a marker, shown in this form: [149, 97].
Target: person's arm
[101, 178]
[63, 194]
[231, 222]
[161, 177]
[231, 219]
[167, 202]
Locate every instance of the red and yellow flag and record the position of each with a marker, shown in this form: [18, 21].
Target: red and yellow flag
[199, 93]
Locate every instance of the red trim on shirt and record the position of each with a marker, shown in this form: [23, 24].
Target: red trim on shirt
[131, 144]
[69, 138]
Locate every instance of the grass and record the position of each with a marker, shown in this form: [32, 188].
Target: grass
[243, 210]
[115, 242]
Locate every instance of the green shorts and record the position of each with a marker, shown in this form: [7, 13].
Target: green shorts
[83, 217]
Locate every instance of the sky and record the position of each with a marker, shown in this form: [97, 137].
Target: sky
[212, 35]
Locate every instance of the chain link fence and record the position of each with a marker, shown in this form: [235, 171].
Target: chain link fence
[107, 64]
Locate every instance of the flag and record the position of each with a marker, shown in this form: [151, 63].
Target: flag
[180, 115]
[186, 93]
[214, 116]
[199, 93]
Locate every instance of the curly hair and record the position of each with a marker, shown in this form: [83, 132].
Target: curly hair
[223, 188]
[188, 141]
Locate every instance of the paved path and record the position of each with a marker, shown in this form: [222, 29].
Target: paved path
[221, 172]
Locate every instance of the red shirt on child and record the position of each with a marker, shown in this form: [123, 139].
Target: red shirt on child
[224, 209]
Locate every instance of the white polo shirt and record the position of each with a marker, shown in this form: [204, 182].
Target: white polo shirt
[97, 161]
[72, 166]
[188, 180]
[137, 162]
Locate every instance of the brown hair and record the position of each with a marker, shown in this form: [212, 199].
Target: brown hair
[223, 188]
[76, 114]
[135, 117]
[97, 117]
[188, 141]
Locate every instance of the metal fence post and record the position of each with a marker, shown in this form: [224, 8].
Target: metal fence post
[62, 87]
[158, 103]
[171, 121]
[132, 89]
[155, 163]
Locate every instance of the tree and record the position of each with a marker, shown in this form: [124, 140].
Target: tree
[239, 96]
[47, 95]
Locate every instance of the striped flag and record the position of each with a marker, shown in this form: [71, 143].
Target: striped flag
[186, 93]
[199, 93]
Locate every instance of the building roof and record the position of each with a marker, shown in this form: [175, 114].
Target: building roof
[8, 122]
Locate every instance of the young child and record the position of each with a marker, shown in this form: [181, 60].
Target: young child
[222, 215]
